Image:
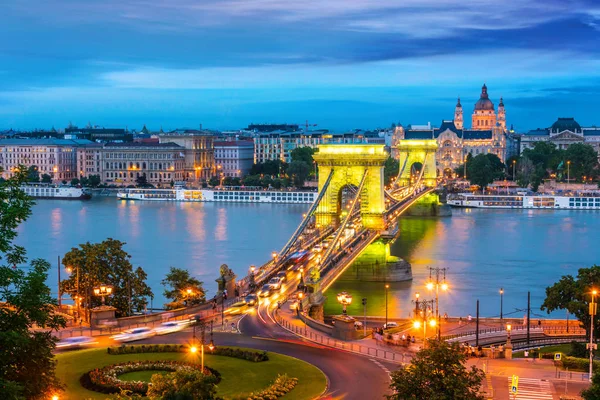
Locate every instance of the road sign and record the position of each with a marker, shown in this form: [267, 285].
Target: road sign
[594, 346]
[557, 356]
[514, 387]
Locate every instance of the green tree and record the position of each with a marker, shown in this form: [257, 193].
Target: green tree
[541, 153]
[593, 391]
[33, 174]
[182, 288]
[214, 181]
[574, 295]
[94, 180]
[106, 263]
[584, 161]
[304, 154]
[509, 165]
[252, 180]
[483, 170]
[141, 181]
[46, 178]
[26, 362]
[437, 373]
[74, 182]
[298, 171]
[183, 385]
[391, 168]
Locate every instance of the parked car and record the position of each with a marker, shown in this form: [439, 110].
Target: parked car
[169, 327]
[251, 300]
[265, 291]
[131, 335]
[75, 342]
[390, 325]
[275, 283]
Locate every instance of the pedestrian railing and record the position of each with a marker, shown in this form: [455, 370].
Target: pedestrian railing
[582, 376]
[547, 330]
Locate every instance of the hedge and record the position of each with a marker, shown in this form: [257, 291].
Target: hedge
[249, 355]
[577, 364]
[280, 387]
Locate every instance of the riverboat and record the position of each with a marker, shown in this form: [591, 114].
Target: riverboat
[241, 195]
[48, 191]
[584, 201]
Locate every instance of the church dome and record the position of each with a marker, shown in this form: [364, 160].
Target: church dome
[566, 124]
[484, 103]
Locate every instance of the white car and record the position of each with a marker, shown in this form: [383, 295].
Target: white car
[390, 325]
[131, 335]
[75, 342]
[169, 327]
[275, 283]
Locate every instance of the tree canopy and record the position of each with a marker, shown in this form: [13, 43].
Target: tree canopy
[483, 169]
[303, 154]
[390, 170]
[106, 263]
[574, 295]
[182, 289]
[270, 167]
[33, 174]
[437, 372]
[298, 172]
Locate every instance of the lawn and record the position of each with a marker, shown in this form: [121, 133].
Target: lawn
[238, 376]
[558, 348]
[144, 376]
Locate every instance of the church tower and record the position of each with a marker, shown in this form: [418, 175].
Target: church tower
[484, 115]
[502, 115]
[458, 115]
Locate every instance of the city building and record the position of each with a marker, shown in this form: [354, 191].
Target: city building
[55, 157]
[97, 134]
[161, 163]
[279, 145]
[234, 158]
[563, 133]
[488, 134]
[89, 160]
[198, 150]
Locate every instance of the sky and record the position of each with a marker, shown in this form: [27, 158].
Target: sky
[340, 64]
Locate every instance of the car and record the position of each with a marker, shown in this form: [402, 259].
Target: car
[75, 342]
[282, 276]
[265, 291]
[390, 325]
[131, 335]
[237, 308]
[251, 300]
[318, 248]
[169, 327]
[275, 283]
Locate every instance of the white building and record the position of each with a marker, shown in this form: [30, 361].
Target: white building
[234, 158]
[564, 132]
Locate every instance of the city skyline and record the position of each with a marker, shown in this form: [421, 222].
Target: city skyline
[337, 64]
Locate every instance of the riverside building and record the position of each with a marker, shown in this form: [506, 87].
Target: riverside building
[563, 133]
[234, 158]
[197, 149]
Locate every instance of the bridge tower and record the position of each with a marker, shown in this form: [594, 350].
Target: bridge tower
[417, 151]
[350, 163]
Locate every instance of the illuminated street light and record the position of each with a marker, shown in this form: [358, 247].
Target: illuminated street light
[344, 299]
[436, 283]
[193, 349]
[103, 291]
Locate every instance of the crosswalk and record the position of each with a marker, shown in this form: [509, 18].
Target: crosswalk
[531, 389]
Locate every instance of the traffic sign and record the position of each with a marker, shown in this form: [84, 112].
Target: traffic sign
[514, 387]
[557, 356]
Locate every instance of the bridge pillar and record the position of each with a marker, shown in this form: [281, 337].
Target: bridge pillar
[349, 163]
[417, 151]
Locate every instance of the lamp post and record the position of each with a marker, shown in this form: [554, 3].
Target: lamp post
[386, 303]
[70, 271]
[344, 299]
[103, 291]
[501, 296]
[593, 307]
[436, 284]
[421, 317]
[514, 163]
[508, 329]
[568, 171]
[252, 282]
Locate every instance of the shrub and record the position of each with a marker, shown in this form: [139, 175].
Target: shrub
[280, 387]
[577, 364]
[250, 355]
[578, 350]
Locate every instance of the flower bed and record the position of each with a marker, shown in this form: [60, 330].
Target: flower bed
[282, 385]
[106, 380]
[254, 356]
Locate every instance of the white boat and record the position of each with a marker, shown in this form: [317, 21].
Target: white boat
[585, 201]
[241, 195]
[48, 191]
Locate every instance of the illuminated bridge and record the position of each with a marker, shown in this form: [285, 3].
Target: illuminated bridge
[354, 208]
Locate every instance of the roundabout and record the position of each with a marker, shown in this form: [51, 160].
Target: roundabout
[238, 373]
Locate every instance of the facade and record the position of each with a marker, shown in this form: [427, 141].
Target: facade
[563, 133]
[161, 163]
[234, 158]
[279, 145]
[96, 134]
[488, 134]
[55, 157]
[89, 160]
[198, 149]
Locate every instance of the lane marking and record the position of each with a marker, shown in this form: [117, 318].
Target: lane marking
[383, 367]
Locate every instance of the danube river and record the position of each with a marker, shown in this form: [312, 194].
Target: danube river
[484, 250]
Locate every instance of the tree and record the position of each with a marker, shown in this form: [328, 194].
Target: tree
[298, 170]
[26, 361]
[437, 373]
[94, 180]
[593, 391]
[584, 160]
[141, 181]
[182, 288]
[573, 294]
[183, 385]
[33, 175]
[391, 168]
[106, 263]
[46, 178]
[214, 181]
[303, 154]
[74, 182]
[480, 171]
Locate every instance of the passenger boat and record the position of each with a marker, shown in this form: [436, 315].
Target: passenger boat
[48, 191]
[230, 195]
[583, 201]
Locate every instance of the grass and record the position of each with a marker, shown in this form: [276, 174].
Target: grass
[558, 348]
[144, 376]
[238, 376]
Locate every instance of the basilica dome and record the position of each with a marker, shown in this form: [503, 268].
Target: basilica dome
[484, 103]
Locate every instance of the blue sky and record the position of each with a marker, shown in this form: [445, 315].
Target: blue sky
[341, 64]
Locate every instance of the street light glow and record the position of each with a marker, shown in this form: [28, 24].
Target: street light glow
[432, 322]
[417, 324]
[193, 349]
[508, 327]
[429, 285]
[594, 292]
[444, 286]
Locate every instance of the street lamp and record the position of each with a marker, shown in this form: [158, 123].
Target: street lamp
[252, 282]
[344, 299]
[508, 329]
[568, 171]
[514, 163]
[593, 307]
[70, 271]
[501, 296]
[386, 304]
[103, 291]
[437, 284]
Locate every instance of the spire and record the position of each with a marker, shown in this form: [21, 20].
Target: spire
[501, 102]
[458, 102]
[484, 93]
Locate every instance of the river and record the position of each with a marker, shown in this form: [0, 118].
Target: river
[484, 250]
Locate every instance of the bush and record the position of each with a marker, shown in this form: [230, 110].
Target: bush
[280, 387]
[254, 356]
[578, 350]
[577, 364]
